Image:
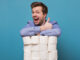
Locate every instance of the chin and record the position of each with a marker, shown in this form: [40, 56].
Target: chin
[37, 24]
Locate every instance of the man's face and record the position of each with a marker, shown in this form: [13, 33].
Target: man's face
[38, 16]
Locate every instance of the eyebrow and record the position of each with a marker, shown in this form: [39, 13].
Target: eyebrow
[36, 11]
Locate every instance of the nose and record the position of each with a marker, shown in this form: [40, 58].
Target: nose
[34, 14]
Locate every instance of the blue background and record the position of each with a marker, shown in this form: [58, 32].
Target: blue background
[15, 13]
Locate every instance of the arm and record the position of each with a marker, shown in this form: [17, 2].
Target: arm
[29, 30]
[55, 31]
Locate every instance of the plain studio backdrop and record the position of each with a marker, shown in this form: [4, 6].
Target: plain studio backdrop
[14, 15]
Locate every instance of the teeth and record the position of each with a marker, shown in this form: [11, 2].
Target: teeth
[35, 18]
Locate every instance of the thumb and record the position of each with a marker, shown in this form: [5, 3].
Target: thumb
[48, 19]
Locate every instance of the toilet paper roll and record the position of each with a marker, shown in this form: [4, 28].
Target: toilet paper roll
[53, 55]
[35, 48]
[27, 49]
[43, 47]
[35, 55]
[43, 39]
[52, 40]
[52, 47]
[44, 55]
[27, 52]
[26, 40]
[27, 58]
[35, 39]
[35, 58]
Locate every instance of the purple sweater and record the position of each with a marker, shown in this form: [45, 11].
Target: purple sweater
[30, 30]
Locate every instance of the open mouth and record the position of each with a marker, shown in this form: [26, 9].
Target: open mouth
[36, 19]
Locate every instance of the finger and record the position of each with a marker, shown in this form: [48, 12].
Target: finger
[48, 19]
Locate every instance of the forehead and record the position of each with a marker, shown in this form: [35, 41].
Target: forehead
[39, 8]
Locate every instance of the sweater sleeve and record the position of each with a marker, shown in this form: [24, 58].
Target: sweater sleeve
[55, 31]
[29, 30]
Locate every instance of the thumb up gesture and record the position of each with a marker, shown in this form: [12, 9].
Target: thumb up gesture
[47, 25]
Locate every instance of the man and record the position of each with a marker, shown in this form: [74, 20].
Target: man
[39, 25]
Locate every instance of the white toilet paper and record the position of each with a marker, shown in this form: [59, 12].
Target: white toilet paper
[52, 43]
[53, 55]
[26, 40]
[27, 58]
[27, 49]
[43, 39]
[35, 55]
[35, 48]
[35, 39]
[43, 47]
[52, 40]
[52, 47]
[40, 48]
[44, 55]
[27, 52]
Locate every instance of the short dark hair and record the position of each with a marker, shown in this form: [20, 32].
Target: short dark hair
[44, 7]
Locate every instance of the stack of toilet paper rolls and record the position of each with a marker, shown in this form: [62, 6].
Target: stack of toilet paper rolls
[40, 48]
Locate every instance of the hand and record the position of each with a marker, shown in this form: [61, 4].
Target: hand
[46, 26]
[38, 34]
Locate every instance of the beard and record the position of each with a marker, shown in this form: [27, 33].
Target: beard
[40, 23]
